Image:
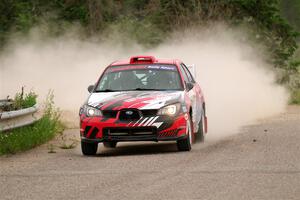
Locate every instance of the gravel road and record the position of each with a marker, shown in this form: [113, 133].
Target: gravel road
[261, 162]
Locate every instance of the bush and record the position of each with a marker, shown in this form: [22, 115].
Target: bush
[295, 97]
[28, 137]
[22, 100]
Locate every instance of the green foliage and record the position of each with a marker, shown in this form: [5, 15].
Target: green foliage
[262, 17]
[291, 11]
[24, 19]
[156, 15]
[144, 32]
[73, 10]
[294, 65]
[27, 137]
[295, 97]
[22, 100]
[164, 14]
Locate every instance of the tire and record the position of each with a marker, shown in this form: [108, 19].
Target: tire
[200, 134]
[110, 144]
[185, 144]
[89, 149]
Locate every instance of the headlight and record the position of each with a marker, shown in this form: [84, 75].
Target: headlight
[90, 111]
[170, 109]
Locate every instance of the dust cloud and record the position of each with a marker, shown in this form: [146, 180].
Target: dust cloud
[238, 85]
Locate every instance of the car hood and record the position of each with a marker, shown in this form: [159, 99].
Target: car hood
[134, 99]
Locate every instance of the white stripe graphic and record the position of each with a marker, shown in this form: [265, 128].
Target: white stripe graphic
[137, 121]
[147, 122]
[153, 121]
[158, 124]
[143, 121]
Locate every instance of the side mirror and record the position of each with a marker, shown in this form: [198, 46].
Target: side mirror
[91, 88]
[189, 86]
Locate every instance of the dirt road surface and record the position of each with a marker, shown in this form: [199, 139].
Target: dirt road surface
[261, 162]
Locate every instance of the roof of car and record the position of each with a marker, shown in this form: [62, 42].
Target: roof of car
[144, 60]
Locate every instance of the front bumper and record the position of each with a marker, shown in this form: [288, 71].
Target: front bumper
[152, 128]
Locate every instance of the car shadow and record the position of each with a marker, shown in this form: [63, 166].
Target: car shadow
[127, 149]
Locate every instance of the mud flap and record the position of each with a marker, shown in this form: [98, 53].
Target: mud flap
[205, 124]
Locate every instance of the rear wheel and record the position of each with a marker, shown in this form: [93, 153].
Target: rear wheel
[89, 149]
[185, 144]
[110, 144]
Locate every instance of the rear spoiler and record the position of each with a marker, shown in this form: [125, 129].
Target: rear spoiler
[142, 59]
[192, 69]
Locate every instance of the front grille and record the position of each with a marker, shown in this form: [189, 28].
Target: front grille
[109, 113]
[151, 112]
[129, 115]
[137, 131]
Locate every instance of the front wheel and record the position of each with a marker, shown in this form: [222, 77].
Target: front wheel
[186, 144]
[89, 149]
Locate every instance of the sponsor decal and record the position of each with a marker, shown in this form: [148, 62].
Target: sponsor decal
[137, 67]
[162, 67]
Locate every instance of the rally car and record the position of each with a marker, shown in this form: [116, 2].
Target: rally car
[143, 99]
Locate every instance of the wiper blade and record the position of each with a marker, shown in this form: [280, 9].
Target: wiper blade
[148, 89]
[106, 90]
[135, 89]
[151, 89]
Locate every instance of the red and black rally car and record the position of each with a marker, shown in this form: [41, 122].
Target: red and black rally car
[143, 99]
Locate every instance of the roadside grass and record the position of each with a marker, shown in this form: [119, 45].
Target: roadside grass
[295, 97]
[40, 132]
[69, 146]
[67, 143]
[21, 100]
[295, 79]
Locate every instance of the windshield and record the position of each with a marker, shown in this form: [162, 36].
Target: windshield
[140, 77]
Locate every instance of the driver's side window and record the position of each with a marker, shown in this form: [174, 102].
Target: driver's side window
[188, 83]
[185, 77]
